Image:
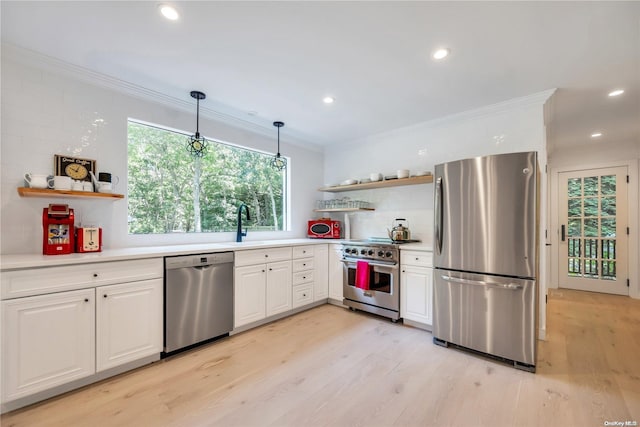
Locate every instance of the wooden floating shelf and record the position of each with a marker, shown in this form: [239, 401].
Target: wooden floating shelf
[45, 192]
[344, 210]
[414, 180]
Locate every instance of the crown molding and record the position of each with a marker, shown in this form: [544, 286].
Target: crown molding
[49, 63]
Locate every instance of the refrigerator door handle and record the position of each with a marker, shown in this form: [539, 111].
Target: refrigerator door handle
[438, 215]
[511, 286]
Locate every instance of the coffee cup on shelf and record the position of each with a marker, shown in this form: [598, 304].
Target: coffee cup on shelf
[87, 186]
[77, 186]
[34, 180]
[104, 187]
[60, 182]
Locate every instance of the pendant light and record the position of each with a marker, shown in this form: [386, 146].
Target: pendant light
[278, 162]
[197, 144]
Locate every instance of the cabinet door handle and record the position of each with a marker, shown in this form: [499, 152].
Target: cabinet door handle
[95, 274]
[304, 277]
[86, 300]
[404, 271]
[263, 271]
[417, 259]
[266, 255]
[104, 296]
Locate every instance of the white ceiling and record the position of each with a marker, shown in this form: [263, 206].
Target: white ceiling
[280, 58]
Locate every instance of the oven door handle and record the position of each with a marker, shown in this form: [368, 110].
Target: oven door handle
[373, 264]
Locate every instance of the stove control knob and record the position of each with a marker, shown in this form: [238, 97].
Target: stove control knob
[380, 253]
[388, 254]
[370, 252]
[363, 251]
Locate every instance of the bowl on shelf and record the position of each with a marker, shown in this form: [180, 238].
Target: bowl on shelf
[349, 182]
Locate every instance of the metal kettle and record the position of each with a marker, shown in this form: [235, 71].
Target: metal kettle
[399, 232]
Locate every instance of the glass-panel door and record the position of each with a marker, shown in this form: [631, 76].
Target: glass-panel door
[593, 230]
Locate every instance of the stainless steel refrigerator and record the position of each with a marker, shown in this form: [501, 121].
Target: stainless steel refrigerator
[486, 256]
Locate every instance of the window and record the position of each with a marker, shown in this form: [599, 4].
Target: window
[171, 191]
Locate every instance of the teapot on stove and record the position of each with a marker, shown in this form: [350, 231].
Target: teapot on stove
[399, 232]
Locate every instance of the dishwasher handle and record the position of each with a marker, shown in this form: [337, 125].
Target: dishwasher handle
[198, 260]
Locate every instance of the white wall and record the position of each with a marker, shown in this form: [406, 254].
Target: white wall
[512, 126]
[48, 109]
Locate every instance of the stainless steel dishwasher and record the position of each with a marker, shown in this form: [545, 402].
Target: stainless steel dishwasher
[198, 295]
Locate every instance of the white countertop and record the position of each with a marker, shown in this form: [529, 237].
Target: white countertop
[21, 261]
[419, 246]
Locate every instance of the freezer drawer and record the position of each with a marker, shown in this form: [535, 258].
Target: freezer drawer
[491, 314]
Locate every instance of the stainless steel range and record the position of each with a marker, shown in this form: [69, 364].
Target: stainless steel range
[380, 294]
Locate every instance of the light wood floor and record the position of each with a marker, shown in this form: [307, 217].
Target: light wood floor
[332, 367]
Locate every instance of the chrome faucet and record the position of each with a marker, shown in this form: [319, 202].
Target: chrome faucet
[241, 233]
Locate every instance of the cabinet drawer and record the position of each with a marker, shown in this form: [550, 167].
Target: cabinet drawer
[417, 258]
[261, 256]
[38, 281]
[303, 251]
[302, 277]
[302, 264]
[302, 295]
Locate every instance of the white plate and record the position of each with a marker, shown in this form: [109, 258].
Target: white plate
[423, 173]
[349, 182]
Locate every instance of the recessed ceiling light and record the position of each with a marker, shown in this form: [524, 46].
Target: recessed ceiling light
[169, 12]
[252, 113]
[440, 54]
[616, 92]
[328, 99]
[596, 135]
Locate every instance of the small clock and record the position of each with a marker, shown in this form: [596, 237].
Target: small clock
[73, 167]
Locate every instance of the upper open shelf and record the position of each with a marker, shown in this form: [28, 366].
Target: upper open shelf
[426, 179]
[44, 192]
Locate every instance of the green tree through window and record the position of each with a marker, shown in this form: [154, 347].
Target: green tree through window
[171, 191]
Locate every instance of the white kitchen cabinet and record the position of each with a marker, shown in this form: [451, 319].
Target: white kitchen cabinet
[321, 273]
[416, 288]
[335, 273]
[54, 333]
[279, 286]
[263, 289]
[128, 322]
[48, 340]
[250, 294]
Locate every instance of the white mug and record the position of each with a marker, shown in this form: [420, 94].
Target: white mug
[59, 182]
[87, 186]
[36, 180]
[77, 186]
[403, 173]
[104, 187]
[375, 177]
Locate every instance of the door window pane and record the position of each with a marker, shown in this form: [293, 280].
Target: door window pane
[591, 227]
[609, 270]
[591, 186]
[591, 248]
[608, 206]
[575, 228]
[575, 207]
[608, 249]
[591, 206]
[608, 184]
[575, 187]
[591, 269]
[608, 227]
[574, 267]
[574, 247]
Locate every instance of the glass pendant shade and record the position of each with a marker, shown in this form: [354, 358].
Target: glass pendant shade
[197, 145]
[278, 162]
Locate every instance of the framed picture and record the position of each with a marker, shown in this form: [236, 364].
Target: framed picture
[73, 167]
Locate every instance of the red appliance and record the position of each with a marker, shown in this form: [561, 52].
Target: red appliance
[324, 228]
[88, 239]
[57, 230]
